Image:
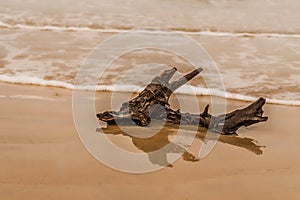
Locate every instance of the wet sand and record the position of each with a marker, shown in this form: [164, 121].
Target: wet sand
[42, 156]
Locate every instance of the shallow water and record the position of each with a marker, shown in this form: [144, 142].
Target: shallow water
[255, 44]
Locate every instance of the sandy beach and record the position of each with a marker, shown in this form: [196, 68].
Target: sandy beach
[42, 156]
[247, 49]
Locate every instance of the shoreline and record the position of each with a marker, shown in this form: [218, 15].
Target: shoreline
[43, 156]
[198, 91]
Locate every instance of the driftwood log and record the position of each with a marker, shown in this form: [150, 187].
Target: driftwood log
[152, 103]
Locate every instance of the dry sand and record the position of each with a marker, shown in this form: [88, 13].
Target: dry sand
[42, 156]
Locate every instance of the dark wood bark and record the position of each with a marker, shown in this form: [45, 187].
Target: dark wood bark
[152, 102]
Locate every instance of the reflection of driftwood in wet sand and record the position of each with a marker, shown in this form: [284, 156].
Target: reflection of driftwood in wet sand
[152, 103]
[150, 145]
[234, 140]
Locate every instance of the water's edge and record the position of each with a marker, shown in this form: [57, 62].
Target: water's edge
[188, 90]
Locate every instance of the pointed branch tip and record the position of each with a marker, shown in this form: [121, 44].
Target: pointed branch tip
[205, 112]
[176, 84]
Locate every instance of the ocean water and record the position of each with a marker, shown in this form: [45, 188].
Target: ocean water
[255, 44]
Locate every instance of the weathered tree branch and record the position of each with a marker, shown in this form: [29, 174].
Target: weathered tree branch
[152, 102]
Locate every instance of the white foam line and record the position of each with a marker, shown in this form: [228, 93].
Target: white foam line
[232, 96]
[208, 33]
[189, 90]
[30, 97]
[283, 102]
[34, 81]
[244, 34]
[58, 28]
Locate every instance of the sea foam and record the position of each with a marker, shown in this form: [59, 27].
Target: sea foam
[186, 89]
[120, 30]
